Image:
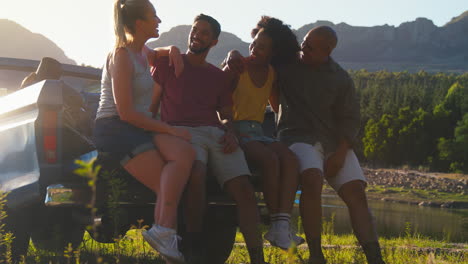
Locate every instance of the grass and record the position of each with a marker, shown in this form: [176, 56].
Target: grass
[351, 255]
[338, 249]
[131, 249]
[410, 248]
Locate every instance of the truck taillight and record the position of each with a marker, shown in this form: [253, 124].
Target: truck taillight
[49, 132]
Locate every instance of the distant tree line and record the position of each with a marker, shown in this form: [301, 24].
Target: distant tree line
[414, 119]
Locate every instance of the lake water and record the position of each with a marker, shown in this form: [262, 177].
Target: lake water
[392, 219]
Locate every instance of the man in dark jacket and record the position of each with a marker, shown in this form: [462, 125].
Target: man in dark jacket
[319, 119]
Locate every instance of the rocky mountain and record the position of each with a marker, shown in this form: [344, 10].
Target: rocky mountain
[416, 45]
[412, 46]
[18, 42]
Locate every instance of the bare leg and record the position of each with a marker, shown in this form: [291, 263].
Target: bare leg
[267, 161]
[354, 195]
[194, 211]
[243, 194]
[288, 180]
[179, 156]
[195, 198]
[289, 176]
[311, 212]
[146, 168]
[166, 172]
[310, 205]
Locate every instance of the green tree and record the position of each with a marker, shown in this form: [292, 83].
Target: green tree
[379, 140]
[414, 143]
[407, 114]
[455, 151]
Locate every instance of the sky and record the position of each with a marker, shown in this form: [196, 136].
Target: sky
[83, 28]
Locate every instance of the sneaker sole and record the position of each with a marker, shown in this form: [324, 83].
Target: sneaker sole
[302, 241]
[273, 243]
[172, 259]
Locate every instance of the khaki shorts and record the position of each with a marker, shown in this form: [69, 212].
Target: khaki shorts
[312, 157]
[223, 166]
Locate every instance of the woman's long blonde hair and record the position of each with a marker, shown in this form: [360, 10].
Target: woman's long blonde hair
[126, 12]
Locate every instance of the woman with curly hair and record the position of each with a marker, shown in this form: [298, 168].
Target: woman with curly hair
[274, 44]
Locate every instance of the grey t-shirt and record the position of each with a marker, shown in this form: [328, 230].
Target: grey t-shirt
[317, 105]
[142, 89]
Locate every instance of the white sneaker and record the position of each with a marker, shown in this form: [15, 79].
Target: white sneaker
[284, 238]
[164, 240]
[270, 235]
[279, 238]
[297, 239]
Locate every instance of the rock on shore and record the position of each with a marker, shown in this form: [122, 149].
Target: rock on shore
[414, 180]
[417, 180]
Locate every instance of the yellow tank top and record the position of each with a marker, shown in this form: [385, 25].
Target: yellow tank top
[250, 101]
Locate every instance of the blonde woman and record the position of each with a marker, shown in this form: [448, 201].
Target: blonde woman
[155, 153]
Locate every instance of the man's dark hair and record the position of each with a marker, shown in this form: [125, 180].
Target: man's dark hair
[285, 45]
[215, 26]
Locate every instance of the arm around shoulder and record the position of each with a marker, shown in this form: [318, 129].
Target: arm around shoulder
[234, 62]
[232, 78]
[274, 95]
[174, 55]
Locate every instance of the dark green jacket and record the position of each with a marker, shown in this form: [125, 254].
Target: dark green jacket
[317, 105]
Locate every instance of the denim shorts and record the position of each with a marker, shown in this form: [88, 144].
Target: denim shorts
[120, 139]
[251, 131]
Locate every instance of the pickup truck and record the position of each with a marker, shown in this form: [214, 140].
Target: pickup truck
[44, 129]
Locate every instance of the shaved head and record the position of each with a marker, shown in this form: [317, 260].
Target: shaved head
[327, 35]
[318, 44]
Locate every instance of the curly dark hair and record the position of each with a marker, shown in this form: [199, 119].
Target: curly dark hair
[285, 44]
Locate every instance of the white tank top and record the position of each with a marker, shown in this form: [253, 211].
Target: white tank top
[142, 89]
